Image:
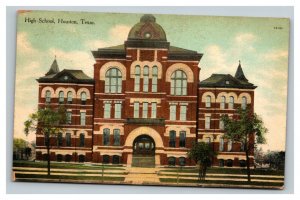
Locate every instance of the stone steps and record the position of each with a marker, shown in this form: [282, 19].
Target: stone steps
[146, 162]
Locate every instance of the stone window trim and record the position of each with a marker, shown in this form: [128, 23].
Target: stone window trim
[142, 64]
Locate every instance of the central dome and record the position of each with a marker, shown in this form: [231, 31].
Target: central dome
[147, 29]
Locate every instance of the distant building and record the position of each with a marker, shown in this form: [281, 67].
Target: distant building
[145, 105]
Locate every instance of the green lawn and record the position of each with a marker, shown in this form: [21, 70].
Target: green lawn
[96, 171]
[64, 165]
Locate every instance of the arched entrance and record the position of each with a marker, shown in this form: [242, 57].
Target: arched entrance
[143, 151]
[143, 145]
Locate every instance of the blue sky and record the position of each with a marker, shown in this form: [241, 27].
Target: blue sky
[262, 49]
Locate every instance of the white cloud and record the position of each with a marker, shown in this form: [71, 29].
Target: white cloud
[245, 38]
[23, 44]
[276, 55]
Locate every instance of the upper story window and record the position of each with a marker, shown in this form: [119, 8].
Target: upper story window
[145, 109]
[229, 145]
[81, 140]
[107, 107]
[118, 107]
[172, 141]
[231, 102]
[172, 112]
[48, 96]
[59, 140]
[244, 103]
[116, 137]
[223, 101]
[208, 101]
[68, 139]
[153, 109]
[83, 98]
[154, 78]
[146, 79]
[69, 97]
[183, 113]
[178, 83]
[136, 108]
[207, 122]
[182, 137]
[106, 136]
[137, 78]
[82, 118]
[61, 97]
[221, 125]
[221, 144]
[113, 81]
[69, 117]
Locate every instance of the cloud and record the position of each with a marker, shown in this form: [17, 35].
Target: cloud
[245, 38]
[276, 55]
[23, 44]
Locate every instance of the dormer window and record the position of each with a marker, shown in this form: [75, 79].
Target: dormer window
[227, 82]
[66, 77]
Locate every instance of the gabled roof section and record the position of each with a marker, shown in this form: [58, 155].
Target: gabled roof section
[53, 69]
[225, 81]
[239, 74]
[67, 76]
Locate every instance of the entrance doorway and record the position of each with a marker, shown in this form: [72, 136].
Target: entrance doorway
[143, 152]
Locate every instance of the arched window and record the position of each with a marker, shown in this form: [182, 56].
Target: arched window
[59, 139]
[182, 138]
[172, 140]
[171, 161]
[229, 163]
[61, 97]
[223, 101]
[105, 159]
[137, 78]
[106, 136]
[208, 101]
[83, 98]
[229, 145]
[81, 140]
[221, 125]
[68, 139]
[244, 103]
[113, 81]
[242, 163]
[154, 79]
[69, 97]
[221, 144]
[115, 159]
[146, 79]
[59, 158]
[48, 96]
[116, 137]
[81, 158]
[68, 158]
[182, 161]
[231, 102]
[178, 83]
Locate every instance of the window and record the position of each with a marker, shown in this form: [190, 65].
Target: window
[182, 137]
[242, 163]
[69, 97]
[69, 117]
[172, 141]
[221, 124]
[59, 139]
[48, 96]
[181, 161]
[242, 146]
[107, 107]
[137, 78]
[221, 163]
[106, 136]
[208, 101]
[83, 98]
[173, 112]
[207, 122]
[81, 158]
[136, 108]
[61, 97]
[113, 81]
[223, 101]
[153, 110]
[154, 79]
[115, 159]
[229, 163]
[68, 158]
[221, 144]
[207, 140]
[118, 107]
[145, 109]
[46, 139]
[244, 103]
[116, 137]
[183, 113]
[146, 79]
[68, 139]
[178, 83]
[229, 145]
[59, 158]
[82, 118]
[231, 102]
[81, 140]
[105, 159]
[171, 161]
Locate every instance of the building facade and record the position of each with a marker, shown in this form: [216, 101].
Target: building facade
[144, 106]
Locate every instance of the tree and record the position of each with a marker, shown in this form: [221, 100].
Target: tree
[202, 154]
[276, 159]
[259, 156]
[18, 147]
[47, 122]
[246, 128]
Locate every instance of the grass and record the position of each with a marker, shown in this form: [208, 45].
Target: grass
[238, 183]
[40, 176]
[64, 165]
[70, 172]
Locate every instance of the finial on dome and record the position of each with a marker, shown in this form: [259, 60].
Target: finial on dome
[147, 18]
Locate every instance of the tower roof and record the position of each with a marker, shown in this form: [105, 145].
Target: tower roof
[53, 69]
[239, 74]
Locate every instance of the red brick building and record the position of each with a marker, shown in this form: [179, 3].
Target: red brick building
[144, 106]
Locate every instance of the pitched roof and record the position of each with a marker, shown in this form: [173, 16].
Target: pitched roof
[225, 81]
[67, 76]
[239, 74]
[53, 69]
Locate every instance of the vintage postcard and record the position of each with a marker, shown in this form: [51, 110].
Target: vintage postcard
[144, 99]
